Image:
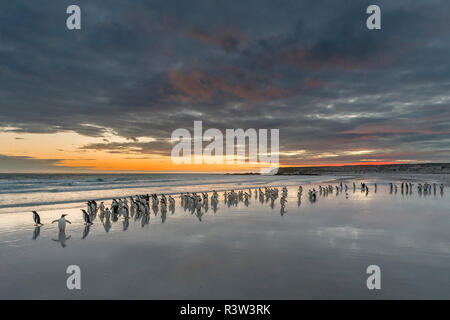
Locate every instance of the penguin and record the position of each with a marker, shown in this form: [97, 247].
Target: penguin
[86, 217]
[37, 219]
[102, 208]
[114, 207]
[125, 213]
[62, 222]
[107, 214]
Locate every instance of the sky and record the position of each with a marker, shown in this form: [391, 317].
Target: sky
[107, 97]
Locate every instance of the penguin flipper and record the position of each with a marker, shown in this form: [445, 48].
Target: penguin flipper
[68, 221]
[55, 221]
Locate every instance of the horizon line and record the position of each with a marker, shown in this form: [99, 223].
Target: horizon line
[232, 172]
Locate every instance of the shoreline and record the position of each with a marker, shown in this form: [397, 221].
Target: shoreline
[45, 200]
[272, 181]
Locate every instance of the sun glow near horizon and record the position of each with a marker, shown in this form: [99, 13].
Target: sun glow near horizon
[67, 152]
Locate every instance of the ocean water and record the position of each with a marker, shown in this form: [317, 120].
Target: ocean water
[254, 250]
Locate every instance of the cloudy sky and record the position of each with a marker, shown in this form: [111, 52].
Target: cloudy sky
[108, 97]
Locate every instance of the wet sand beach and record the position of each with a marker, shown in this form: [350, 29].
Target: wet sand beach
[254, 250]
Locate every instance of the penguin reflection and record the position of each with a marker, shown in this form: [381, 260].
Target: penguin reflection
[214, 206]
[62, 239]
[107, 224]
[126, 224]
[163, 215]
[145, 220]
[272, 203]
[137, 216]
[199, 214]
[261, 198]
[86, 230]
[36, 232]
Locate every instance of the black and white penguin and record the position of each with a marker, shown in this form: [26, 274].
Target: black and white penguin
[62, 223]
[125, 212]
[36, 218]
[115, 207]
[86, 217]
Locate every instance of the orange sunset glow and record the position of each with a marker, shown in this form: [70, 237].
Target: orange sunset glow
[66, 153]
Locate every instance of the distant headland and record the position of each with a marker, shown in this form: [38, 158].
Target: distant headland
[428, 168]
[438, 168]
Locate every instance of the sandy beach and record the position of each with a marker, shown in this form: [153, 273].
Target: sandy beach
[224, 159]
[253, 250]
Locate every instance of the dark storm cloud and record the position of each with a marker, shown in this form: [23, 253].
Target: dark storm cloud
[29, 164]
[310, 68]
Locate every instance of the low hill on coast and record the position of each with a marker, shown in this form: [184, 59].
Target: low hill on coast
[438, 168]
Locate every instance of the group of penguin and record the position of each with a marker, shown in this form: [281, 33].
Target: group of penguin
[129, 207]
[405, 187]
[61, 221]
[425, 189]
[329, 189]
[271, 194]
[140, 205]
[194, 203]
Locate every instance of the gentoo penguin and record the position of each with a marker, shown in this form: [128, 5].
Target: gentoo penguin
[102, 209]
[107, 214]
[62, 223]
[125, 212]
[36, 218]
[86, 217]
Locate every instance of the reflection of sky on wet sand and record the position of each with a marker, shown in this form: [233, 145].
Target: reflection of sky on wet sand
[315, 250]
